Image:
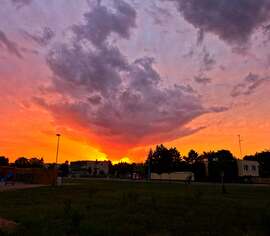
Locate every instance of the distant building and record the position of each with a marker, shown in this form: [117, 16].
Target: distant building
[245, 168]
[90, 168]
[248, 168]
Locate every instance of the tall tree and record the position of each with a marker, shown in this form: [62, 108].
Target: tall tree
[22, 162]
[264, 159]
[36, 162]
[222, 163]
[192, 156]
[164, 160]
[64, 168]
[4, 161]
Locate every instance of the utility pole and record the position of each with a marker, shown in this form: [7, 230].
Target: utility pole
[57, 148]
[149, 169]
[240, 145]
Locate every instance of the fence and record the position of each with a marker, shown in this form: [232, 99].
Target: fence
[31, 175]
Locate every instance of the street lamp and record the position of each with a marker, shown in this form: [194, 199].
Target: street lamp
[57, 148]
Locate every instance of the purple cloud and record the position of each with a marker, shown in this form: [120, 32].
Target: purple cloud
[100, 23]
[202, 80]
[120, 101]
[11, 46]
[42, 37]
[21, 3]
[249, 85]
[232, 21]
[207, 62]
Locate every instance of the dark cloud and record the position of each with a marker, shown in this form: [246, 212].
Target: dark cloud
[11, 46]
[95, 99]
[200, 37]
[42, 37]
[100, 23]
[233, 21]
[249, 85]
[120, 101]
[207, 61]
[21, 3]
[202, 80]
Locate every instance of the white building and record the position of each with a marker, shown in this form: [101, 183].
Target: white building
[176, 176]
[91, 167]
[248, 168]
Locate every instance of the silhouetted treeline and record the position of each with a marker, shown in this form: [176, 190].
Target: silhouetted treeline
[208, 166]
[4, 161]
[127, 170]
[211, 166]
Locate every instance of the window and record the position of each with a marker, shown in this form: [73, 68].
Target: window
[246, 167]
[254, 168]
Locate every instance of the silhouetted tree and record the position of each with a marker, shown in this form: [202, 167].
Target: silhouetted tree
[198, 165]
[22, 162]
[36, 162]
[64, 168]
[264, 160]
[222, 163]
[148, 163]
[192, 157]
[4, 161]
[141, 170]
[123, 170]
[250, 158]
[161, 161]
[164, 160]
[199, 170]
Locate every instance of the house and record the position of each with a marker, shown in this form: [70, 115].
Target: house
[248, 168]
[90, 168]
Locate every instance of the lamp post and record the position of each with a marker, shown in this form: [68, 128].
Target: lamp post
[57, 148]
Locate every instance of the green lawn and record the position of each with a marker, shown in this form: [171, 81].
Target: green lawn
[124, 208]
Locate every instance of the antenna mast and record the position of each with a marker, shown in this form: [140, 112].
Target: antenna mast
[240, 145]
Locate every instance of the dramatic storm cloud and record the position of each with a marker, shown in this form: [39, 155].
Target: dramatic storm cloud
[116, 77]
[233, 21]
[120, 101]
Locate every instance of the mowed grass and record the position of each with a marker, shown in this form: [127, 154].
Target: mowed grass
[91, 207]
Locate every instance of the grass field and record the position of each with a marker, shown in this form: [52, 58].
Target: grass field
[124, 208]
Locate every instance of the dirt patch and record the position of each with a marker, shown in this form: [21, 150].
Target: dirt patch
[8, 225]
[18, 186]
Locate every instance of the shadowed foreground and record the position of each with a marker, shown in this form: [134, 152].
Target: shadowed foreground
[125, 208]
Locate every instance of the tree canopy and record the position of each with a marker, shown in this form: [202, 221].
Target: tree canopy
[4, 161]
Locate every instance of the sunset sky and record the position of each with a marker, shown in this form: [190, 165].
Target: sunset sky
[116, 78]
